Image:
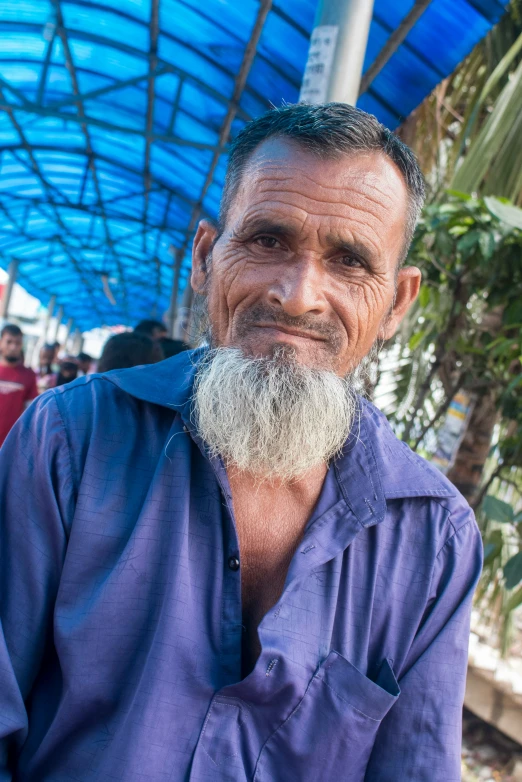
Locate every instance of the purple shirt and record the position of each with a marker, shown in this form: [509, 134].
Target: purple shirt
[120, 604]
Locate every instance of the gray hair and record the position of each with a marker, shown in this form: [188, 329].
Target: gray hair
[272, 417]
[326, 130]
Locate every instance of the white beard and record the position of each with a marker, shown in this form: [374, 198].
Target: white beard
[272, 417]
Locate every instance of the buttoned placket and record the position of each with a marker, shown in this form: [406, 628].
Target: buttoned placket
[232, 726]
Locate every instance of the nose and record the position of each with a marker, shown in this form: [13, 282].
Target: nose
[299, 288]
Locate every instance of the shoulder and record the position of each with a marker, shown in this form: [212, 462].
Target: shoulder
[110, 400]
[83, 395]
[414, 485]
[98, 423]
[403, 472]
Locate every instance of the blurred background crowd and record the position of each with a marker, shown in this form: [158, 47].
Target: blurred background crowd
[20, 384]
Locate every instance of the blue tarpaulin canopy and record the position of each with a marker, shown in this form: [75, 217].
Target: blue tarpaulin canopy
[114, 118]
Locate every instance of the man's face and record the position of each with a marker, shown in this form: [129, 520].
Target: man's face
[308, 257]
[84, 366]
[69, 370]
[11, 347]
[46, 357]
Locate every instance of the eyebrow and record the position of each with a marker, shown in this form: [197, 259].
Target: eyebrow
[352, 246]
[264, 225]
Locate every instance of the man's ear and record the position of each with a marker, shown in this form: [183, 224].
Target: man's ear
[203, 241]
[408, 284]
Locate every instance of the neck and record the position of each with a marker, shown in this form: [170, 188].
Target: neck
[306, 488]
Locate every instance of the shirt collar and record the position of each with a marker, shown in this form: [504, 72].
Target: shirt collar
[374, 465]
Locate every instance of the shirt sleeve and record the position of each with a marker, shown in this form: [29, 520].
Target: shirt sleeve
[36, 498]
[420, 739]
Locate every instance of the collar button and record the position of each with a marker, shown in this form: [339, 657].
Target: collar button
[233, 563]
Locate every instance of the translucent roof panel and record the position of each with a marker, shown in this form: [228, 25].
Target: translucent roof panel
[115, 117]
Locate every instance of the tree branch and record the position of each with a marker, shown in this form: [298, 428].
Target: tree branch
[482, 493]
[440, 412]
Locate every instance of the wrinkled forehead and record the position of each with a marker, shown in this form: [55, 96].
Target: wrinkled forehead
[359, 195]
[283, 173]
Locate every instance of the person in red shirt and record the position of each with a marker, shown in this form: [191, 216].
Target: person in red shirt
[17, 383]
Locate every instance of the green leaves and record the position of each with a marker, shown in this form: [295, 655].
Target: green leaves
[502, 512]
[468, 241]
[504, 211]
[466, 328]
[514, 601]
[487, 243]
[493, 546]
[497, 510]
[513, 571]
[493, 160]
[416, 339]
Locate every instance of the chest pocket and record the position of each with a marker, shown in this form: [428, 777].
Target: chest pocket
[330, 734]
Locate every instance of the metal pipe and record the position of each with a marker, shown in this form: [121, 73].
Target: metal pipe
[59, 316]
[173, 308]
[68, 329]
[337, 49]
[8, 290]
[49, 315]
[393, 43]
[182, 322]
[77, 341]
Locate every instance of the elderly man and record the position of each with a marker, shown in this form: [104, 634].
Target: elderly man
[225, 566]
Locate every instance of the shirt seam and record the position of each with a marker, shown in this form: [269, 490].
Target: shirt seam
[449, 519]
[449, 540]
[69, 453]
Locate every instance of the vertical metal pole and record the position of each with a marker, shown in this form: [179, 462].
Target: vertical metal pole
[177, 254]
[77, 341]
[337, 48]
[49, 315]
[30, 350]
[59, 316]
[6, 298]
[68, 332]
[181, 326]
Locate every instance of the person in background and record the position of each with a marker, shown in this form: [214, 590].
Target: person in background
[171, 347]
[46, 370]
[45, 360]
[17, 383]
[154, 329]
[129, 349]
[68, 370]
[85, 362]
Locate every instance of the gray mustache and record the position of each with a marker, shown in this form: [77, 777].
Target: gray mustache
[280, 318]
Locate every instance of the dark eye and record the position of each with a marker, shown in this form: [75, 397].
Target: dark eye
[268, 242]
[352, 262]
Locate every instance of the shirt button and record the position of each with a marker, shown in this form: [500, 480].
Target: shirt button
[233, 563]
